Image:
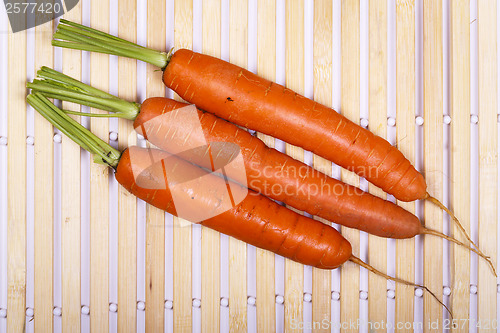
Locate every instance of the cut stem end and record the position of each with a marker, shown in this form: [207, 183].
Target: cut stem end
[74, 130]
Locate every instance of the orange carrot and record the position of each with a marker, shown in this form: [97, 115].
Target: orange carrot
[170, 125]
[256, 220]
[239, 96]
[164, 180]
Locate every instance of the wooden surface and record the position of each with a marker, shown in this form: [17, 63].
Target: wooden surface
[323, 35]
[127, 204]
[99, 190]
[488, 158]
[238, 51]
[266, 67]
[44, 196]
[183, 301]
[377, 123]
[210, 240]
[294, 66]
[16, 189]
[72, 206]
[155, 218]
[460, 147]
[350, 103]
[433, 153]
[405, 140]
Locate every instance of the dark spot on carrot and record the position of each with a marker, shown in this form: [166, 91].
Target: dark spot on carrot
[192, 198]
[230, 99]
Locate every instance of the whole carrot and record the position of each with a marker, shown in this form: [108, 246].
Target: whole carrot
[239, 96]
[160, 178]
[257, 220]
[267, 171]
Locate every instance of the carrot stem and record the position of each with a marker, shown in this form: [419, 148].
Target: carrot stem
[88, 114]
[97, 32]
[54, 76]
[74, 130]
[59, 86]
[370, 268]
[76, 36]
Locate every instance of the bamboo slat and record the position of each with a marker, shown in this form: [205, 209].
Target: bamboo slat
[71, 203]
[44, 196]
[460, 149]
[488, 161]
[238, 50]
[127, 204]
[182, 235]
[155, 218]
[405, 139]
[210, 239]
[433, 154]
[4, 174]
[99, 197]
[377, 101]
[294, 272]
[16, 187]
[350, 94]
[4, 214]
[266, 67]
[322, 62]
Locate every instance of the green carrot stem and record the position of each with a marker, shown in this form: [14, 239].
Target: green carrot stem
[76, 36]
[97, 32]
[69, 99]
[55, 76]
[82, 37]
[76, 41]
[88, 114]
[74, 130]
[59, 86]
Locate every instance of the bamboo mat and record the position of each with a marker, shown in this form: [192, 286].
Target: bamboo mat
[79, 254]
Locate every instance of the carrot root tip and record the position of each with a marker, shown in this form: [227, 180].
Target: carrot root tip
[372, 269]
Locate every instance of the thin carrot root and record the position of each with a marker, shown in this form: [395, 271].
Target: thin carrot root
[456, 241]
[363, 264]
[459, 225]
[453, 217]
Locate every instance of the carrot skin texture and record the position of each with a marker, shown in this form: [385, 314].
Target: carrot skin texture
[248, 100]
[299, 185]
[256, 220]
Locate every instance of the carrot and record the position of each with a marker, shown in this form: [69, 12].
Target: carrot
[248, 100]
[159, 178]
[268, 171]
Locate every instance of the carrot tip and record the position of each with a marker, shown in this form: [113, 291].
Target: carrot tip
[460, 227]
[456, 241]
[372, 269]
